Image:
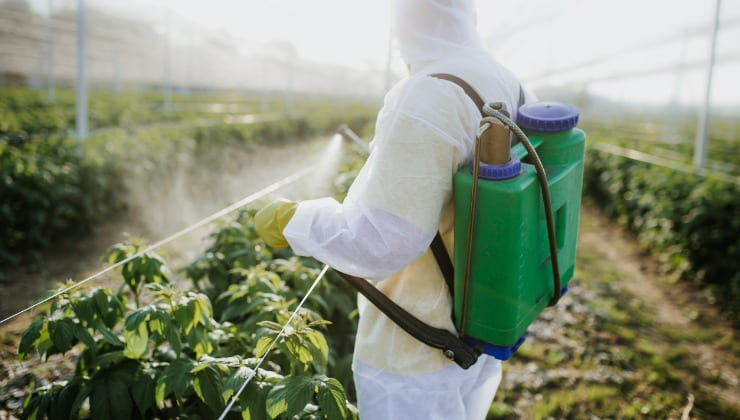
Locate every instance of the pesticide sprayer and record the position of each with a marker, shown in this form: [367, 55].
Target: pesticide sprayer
[505, 273]
[516, 222]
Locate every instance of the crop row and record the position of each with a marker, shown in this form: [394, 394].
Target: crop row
[691, 222]
[152, 350]
[53, 187]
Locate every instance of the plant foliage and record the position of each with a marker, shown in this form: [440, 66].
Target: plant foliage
[151, 349]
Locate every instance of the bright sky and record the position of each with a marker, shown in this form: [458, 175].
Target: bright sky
[534, 38]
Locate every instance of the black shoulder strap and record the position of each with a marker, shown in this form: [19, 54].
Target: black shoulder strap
[474, 96]
[438, 247]
[452, 346]
[445, 263]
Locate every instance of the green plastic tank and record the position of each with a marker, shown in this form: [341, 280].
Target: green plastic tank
[511, 279]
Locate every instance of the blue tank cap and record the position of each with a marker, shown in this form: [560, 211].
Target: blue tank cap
[508, 170]
[547, 116]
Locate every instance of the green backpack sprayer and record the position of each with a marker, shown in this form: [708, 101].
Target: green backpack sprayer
[516, 223]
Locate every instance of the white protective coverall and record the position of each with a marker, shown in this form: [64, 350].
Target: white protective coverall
[401, 197]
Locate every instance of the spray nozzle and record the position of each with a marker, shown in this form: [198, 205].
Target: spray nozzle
[350, 135]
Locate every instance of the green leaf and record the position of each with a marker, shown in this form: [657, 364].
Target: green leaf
[270, 325]
[142, 391]
[200, 342]
[110, 398]
[61, 405]
[137, 342]
[84, 336]
[298, 350]
[318, 347]
[32, 333]
[176, 379]
[232, 385]
[81, 397]
[85, 310]
[61, 333]
[290, 396]
[105, 360]
[207, 384]
[254, 407]
[331, 396]
[37, 406]
[263, 344]
[185, 314]
[109, 335]
[172, 335]
[136, 318]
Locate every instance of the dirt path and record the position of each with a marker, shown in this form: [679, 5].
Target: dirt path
[674, 305]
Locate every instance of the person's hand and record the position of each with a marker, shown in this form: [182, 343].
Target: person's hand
[272, 219]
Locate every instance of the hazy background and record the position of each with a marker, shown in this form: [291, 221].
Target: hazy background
[630, 51]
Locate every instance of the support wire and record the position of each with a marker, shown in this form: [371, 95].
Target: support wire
[272, 344]
[241, 203]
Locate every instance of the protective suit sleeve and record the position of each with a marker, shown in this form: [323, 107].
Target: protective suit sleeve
[423, 134]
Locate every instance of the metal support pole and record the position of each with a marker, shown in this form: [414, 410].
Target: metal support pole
[51, 39]
[702, 132]
[81, 99]
[117, 69]
[166, 83]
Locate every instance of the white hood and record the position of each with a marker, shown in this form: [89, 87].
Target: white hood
[428, 30]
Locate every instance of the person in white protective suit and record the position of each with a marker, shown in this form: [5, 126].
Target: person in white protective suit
[382, 231]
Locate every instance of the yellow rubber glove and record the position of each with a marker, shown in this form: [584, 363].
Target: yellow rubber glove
[272, 219]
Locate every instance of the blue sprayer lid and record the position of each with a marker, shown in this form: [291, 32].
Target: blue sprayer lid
[547, 116]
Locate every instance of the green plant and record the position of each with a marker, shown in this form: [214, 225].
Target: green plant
[692, 222]
[151, 350]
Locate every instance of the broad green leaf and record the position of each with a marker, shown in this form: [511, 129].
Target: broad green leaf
[200, 342]
[61, 332]
[81, 397]
[36, 406]
[172, 335]
[32, 333]
[331, 396]
[137, 342]
[317, 346]
[290, 396]
[85, 310]
[263, 344]
[255, 406]
[106, 359]
[271, 325]
[61, 405]
[136, 318]
[232, 385]
[84, 336]
[176, 379]
[298, 349]
[110, 398]
[185, 314]
[207, 384]
[204, 305]
[142, 391]
[43, 344]
[109, 335]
